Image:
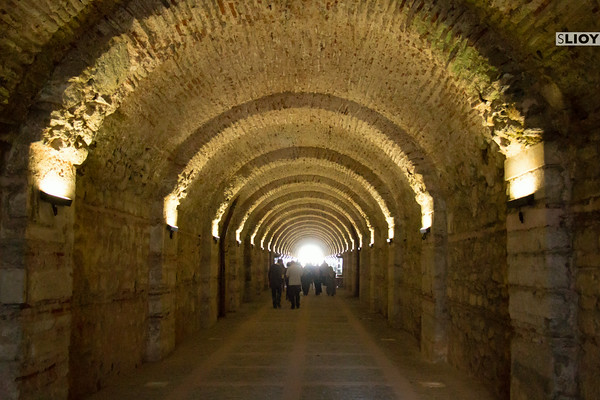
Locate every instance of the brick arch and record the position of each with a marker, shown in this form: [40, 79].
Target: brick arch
[318, 196]
[291, 200]
[342, 194]
[290, 212]
[282, 169]
[443, 29]
[377, 135]
[339, 233]
[234, 180]
[142, 28]
[309, 222]
[384, 180]
[307, 233]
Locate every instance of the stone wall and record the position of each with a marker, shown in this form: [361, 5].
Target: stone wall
[479, 333]
[409, 280]
[379, 278]
[187, 290]
[586, 246]
[110, 291]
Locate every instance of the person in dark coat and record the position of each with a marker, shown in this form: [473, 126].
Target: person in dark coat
[307, 278]
[318, 279]
[276, 273]
[330, 279]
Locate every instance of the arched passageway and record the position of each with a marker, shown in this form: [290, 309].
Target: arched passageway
[157, 155]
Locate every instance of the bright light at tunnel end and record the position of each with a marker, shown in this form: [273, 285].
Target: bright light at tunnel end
[310, 254]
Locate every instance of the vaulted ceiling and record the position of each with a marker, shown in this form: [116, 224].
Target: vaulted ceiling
[325, 119]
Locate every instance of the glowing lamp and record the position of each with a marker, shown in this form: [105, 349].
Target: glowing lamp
[427, 219]
[55, 200]
[523, 186]
[215, 228]
[528, 200]
[171, 229]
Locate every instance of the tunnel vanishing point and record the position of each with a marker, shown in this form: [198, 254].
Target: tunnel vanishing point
[156, 155]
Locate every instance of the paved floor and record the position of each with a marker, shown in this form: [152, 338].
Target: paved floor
[330, 348]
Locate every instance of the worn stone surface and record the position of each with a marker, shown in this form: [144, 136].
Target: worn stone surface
[274, 122]
[110, 290]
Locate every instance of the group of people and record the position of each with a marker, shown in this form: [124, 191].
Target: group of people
[295, 279]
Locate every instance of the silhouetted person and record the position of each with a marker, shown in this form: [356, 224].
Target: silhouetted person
[294, 274]
[318, 279]
[276, 273]
[307, 278]
[331, 283]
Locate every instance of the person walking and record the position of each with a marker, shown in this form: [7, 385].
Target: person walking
[276, 273]
[294, 274]
[307, 278]
[331, 282]
[318, 278]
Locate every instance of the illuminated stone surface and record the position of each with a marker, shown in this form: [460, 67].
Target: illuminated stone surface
[280, 122]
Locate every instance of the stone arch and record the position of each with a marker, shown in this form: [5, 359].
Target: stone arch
[292, 201]
[288, 212]
[316, 167]
[307, 233]
[302, 187]
[338, 232]
[336, 244]
[380, 127]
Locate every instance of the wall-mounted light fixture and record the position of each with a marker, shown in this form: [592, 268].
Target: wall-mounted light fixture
[528, 200]
[425, 232]
[390, 240]
[55, 200]
[171, 229]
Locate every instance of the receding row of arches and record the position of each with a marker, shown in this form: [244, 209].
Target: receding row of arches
[194, 142]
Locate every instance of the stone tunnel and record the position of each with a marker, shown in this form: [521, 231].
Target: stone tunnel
[156, 155]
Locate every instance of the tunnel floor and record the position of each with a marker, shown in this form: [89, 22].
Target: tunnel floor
[330, 348]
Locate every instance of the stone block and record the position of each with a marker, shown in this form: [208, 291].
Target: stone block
[13, 286]
[157, 234]
[526, 161]
[538, 240]
[588, 369]
[9, 389]
[544, 367]
[529, 241]
[539, 270]
[587, 238]
[160, 304]
[17, 205]
[554, 189]
[50, 284]
[10, 340]
[161, 338]
[544, 312]
[12, 251]
[588, 282]
[534, 217]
